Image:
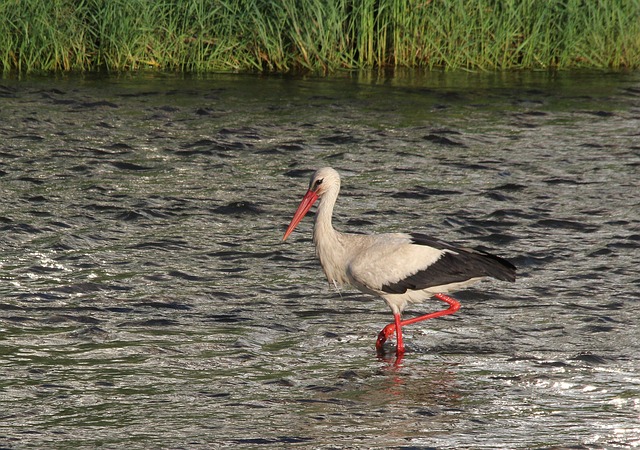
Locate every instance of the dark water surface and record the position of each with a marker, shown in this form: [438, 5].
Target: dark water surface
[146, 299]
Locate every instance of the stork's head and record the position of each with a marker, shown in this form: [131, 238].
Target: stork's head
[322, 181]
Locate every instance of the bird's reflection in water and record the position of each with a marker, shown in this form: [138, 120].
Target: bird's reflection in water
[418, 398]
[389, 356]
[416, 381]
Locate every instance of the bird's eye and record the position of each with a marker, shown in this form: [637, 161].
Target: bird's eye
[317, 184]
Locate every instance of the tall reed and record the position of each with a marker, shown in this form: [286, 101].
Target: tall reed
[316, 35]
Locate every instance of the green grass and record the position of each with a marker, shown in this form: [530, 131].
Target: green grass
[320, 36]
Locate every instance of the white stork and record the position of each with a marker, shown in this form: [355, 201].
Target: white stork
[401, 268]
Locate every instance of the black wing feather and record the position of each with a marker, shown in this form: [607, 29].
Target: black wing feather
[464, 264]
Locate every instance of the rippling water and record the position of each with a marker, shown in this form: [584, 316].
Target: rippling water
[147, 301]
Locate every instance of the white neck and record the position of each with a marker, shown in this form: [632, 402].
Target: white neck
[328, 241]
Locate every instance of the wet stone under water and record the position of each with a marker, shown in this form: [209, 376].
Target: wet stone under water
[147, 299]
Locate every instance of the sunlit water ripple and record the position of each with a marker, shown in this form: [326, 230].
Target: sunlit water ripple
[147, 301]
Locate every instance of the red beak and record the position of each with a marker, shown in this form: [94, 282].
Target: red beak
[303, 208]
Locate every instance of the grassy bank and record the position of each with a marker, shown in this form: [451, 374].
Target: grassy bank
[316, 35]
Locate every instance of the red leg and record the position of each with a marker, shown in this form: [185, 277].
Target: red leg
[454, 305]
[399, 343]
[387, 331]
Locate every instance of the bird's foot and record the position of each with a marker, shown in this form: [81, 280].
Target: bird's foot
[396, 359]
[389, 330]
[386, 332]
